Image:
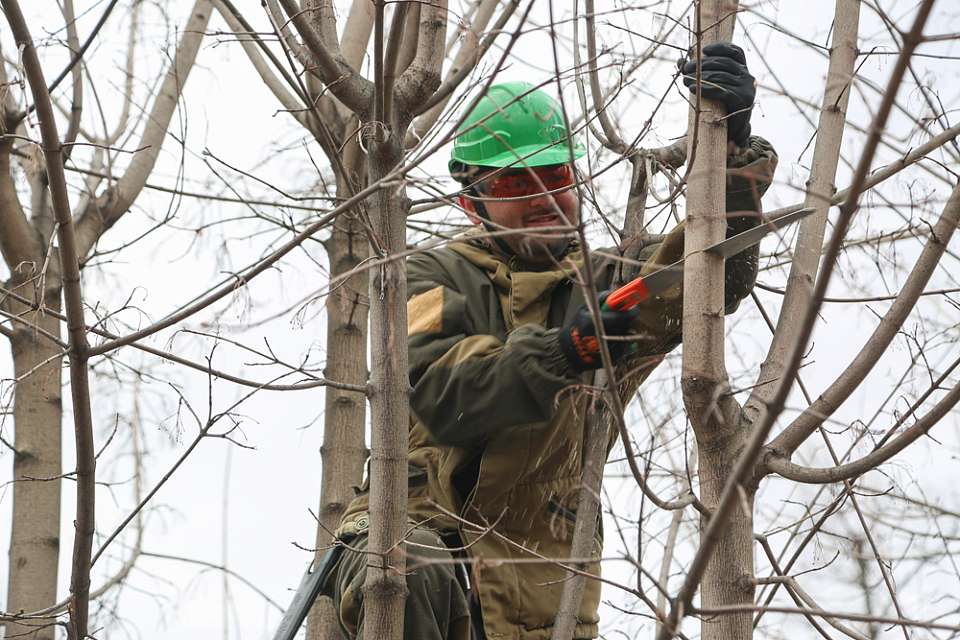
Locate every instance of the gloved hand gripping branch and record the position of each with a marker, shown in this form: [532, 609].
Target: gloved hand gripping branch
[578, 337]
[724, 77]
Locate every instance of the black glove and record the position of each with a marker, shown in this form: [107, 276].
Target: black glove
[578, 338]
[724, 77]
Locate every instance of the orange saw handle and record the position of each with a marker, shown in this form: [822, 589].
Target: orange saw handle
[628, 296]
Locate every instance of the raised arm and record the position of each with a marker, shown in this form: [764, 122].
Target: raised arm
[468, 381]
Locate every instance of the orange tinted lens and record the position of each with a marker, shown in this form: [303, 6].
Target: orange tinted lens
[556, 177]
[511, 185]
[515, 185]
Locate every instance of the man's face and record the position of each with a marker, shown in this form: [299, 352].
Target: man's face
[530, 199]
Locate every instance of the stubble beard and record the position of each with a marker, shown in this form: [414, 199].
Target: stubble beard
[541, 249]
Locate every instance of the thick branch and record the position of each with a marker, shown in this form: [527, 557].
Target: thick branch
[835, 395]
[286, 35]
[323, 19]
[356, 38]
[820, 186]
[379, 89]
[356, 33]
[343, 81]
[422, 77]
[872, 460]
[19, 245]
[384, 586]
[116, 201]
[468, 55]
[704, 371]
[434, 106]
[398, 34]
[408, 48]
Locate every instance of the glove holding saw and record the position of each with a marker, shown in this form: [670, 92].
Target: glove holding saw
[724, 77]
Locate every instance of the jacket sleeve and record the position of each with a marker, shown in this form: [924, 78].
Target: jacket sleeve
[466, 383]
[749, 174]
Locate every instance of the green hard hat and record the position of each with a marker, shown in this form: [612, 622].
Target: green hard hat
[514, 124]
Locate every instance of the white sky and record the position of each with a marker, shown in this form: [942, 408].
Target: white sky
[248, 507]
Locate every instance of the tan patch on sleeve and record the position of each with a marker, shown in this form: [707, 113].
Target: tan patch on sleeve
[425, 312]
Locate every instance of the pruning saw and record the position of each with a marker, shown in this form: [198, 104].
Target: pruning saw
[644, 287]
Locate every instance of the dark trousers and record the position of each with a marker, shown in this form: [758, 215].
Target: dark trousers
[437, 605]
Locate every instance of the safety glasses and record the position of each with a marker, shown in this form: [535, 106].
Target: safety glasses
[527, 182]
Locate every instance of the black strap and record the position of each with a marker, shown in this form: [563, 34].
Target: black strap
[309, 590]
[481, 208]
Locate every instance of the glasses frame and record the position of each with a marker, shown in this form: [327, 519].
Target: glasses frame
[536, 185]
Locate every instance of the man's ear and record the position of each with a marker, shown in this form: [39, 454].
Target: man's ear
[469, 209]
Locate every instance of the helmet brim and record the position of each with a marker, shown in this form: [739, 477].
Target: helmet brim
[526, 156]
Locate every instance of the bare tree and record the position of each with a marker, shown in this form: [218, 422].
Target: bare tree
[40, 273]
[353, 117]
[733, 457]
[721, 522]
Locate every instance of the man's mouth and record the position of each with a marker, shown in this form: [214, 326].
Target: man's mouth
[545, 219]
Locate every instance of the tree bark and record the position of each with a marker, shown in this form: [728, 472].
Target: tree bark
[385, 587]
[344, 446]
[729, 576]
[389, 390]
[715, 416]
[344, 450]
[37, 414]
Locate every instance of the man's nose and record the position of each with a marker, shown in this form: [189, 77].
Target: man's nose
[541, 200]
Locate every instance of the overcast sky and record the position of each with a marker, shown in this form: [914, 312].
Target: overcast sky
[250, 507]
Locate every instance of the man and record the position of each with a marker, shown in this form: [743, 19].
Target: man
[501, 344]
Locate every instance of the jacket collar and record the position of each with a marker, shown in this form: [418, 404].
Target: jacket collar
[525, 293]
[475, 246]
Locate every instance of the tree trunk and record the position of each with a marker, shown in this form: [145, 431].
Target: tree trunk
[729, 577]
[344, 449]
[715, 416]
[37, 416]
[385, 587]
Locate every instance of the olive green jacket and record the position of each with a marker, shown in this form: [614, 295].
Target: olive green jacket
[497, 416]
